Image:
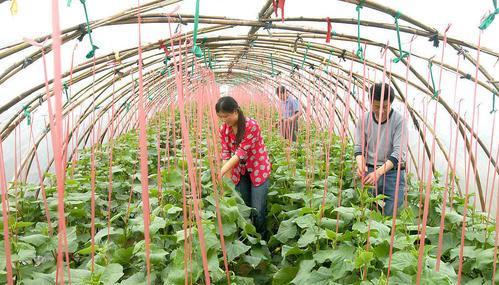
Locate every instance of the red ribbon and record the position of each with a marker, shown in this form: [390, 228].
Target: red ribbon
[329, 28]
[274, 4]
[281, 6]
[162, 45]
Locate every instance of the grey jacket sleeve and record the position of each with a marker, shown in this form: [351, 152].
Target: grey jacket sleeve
[399, 142]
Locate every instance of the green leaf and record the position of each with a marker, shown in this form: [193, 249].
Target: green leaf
[172, 210]
[3, 262]
[485, 260]
[304, 272]
[469, 251]
[228, 228]
[138, 278]
[173, 177]
[309, 237]
[235, 249]
[118, 169]
[291, 250]
[321, 276]
[230, 214]
[330, 224]
[239, 280]
[123, 256]
[287, 230]
[20, 225]
[347, 213]
[157, 223]
[446, 272]
[254, 261]
[87, 250]
[112, 273]
[402, 260]
[26, 252]
[284, 275]
[103, 233]
[79, 276]
[361, 227]
[305, 221]
[453, 217]
[157, 254]
[363, 258]
[72, 239]
[36, 239]
[341, 260]
[341, 253]
[434, 278]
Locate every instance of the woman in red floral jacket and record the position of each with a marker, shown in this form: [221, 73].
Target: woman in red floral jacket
[245, 157]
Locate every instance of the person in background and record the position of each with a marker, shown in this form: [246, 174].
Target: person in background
[378, 161]
[245, 158]
[290, 108]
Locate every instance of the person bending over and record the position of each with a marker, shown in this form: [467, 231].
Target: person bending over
[245, 158]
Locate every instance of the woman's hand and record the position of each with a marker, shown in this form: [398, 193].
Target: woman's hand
[225, 171]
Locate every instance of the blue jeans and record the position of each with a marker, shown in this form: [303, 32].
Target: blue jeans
[255, 197]
[387, 185]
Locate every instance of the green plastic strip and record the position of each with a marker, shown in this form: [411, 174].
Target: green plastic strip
[91, 53]
[494, 94]
[305, 55]
[359, 52]
[27, 114]
[328, 60]
[196, 50]
[435, 91]
[490, 18]
[402, 54]
[65, 86]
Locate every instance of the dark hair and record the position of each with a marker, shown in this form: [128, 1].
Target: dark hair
[280, 89]
[378, 89]
[228, 104]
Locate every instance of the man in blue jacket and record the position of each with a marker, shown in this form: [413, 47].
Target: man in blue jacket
[290, 108]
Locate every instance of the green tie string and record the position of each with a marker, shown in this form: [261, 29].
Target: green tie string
[435, 91]
[27, 114]
[490, 18]
[91, 53]
[196, 50]
[402, 54]
[359, 52]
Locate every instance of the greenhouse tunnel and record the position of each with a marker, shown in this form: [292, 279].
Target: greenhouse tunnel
[91, 105]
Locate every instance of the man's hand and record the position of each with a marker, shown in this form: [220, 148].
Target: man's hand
[361, 166]
[361, 170]
[372, 178]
